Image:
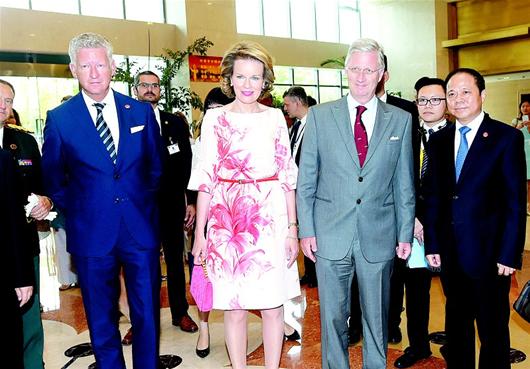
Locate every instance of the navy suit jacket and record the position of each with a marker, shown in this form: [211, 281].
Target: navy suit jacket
[480, 220]
[96, 195]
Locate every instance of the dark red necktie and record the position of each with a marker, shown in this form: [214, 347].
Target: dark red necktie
[360, 136]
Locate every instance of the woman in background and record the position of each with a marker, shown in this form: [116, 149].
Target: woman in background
[523, 116]
[523, 123]
[246, 180]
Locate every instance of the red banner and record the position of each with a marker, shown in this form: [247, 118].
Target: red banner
[205, 68]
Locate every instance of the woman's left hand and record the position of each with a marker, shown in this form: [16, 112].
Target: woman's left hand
[291, 249]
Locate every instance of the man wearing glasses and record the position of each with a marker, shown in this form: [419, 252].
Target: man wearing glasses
[177, 204]
[417, 277]
[475, 222]
[397, 280]
[355, 204]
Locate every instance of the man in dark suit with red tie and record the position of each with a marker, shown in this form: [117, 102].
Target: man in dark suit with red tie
[177, 204]
[475, 221]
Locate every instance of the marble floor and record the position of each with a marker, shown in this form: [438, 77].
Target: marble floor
[65, 326]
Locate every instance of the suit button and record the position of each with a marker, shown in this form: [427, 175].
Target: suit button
[455, 197]
[361, 179]
[116, 176]
[116, 200]
[358, 201]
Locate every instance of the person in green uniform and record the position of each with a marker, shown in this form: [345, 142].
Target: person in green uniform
[25, 150]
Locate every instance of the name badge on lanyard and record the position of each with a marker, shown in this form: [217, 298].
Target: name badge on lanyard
[173, 149]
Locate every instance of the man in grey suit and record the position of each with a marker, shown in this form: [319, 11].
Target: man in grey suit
[355, 198]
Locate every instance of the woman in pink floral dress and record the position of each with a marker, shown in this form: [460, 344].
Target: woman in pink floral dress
[246, 180]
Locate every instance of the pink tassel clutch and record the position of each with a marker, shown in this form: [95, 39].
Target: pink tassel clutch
[201, 288]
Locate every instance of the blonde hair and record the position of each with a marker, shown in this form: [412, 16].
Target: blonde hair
[367, 45]
[246, 50]
[88, 40]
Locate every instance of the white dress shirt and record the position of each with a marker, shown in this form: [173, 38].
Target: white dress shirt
[299, 136]
[368, 116]
[470, 136]
[157, 116]
[110, 114]
[438, 126]
[1, 135]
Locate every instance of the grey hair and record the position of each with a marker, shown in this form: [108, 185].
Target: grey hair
[4, 82]
[88, 40]
[366, 45]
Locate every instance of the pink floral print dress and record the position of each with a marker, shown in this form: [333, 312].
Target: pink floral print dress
[247, 222]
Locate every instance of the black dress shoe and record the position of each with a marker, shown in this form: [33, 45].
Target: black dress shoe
[295, 336]
[354, 336]
[203, 353]
[410, 358]
[394, 335]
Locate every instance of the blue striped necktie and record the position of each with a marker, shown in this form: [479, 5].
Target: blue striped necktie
[462, 151]
[104, 132]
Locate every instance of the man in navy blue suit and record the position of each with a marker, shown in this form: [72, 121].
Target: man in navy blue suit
[475, 222]
[102, 162]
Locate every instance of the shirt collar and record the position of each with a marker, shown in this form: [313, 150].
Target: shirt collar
[108, 99]
[438, 126]
[474, 124]
[372, 104]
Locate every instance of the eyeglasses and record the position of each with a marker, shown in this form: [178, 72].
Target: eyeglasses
[147, 85]
[433, 101]
[359, 70]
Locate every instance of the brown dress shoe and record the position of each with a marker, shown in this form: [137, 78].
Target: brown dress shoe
[186, 324]
[127, 339]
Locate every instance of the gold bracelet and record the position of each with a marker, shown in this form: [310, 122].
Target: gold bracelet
[292, 224]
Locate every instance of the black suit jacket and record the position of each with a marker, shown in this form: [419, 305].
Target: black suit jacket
[25, 150]
[481, 220]
[411, 108]
[177, 169]
[17, 270]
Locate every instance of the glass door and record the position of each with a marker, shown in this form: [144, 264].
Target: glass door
[34, 96]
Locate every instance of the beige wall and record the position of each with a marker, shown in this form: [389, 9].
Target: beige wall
[47, 32]
[406, 29]
[502, 96]
[216, 19]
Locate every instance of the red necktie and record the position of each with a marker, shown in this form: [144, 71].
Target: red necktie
[360, 136]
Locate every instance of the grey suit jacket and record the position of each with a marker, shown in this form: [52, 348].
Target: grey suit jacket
[338, 201]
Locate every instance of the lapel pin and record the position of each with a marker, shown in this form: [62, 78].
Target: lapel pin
[485, 134]
[166, 122]
[13, 146]
[127, 106]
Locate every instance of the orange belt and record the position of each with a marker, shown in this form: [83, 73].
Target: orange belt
[247, 180]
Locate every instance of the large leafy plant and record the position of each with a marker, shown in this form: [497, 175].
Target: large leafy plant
[173, 98]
